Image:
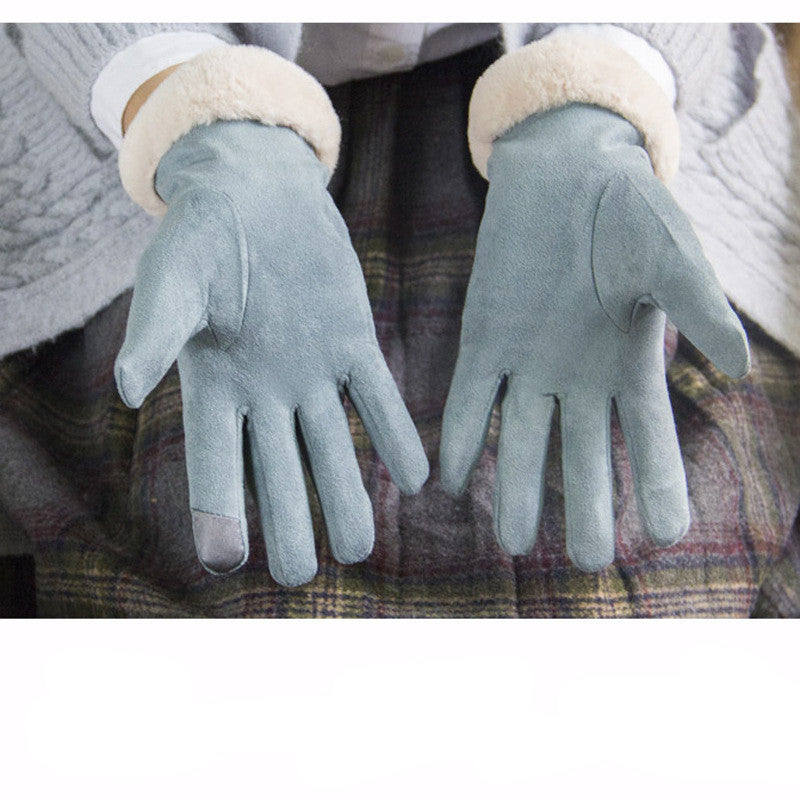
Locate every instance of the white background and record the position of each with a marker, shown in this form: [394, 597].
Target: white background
[401, 709]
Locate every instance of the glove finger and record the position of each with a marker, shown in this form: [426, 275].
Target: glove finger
[467, 414]
[167, 307]
[214, 464]
[693, 299]
[281, 493]
[645, 415]
[586, 456]
[388, 424]
[519, 488]
[344, 501]
[642, 240]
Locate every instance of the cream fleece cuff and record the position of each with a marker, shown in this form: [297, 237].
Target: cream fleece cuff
[229, 82]
[572, 69]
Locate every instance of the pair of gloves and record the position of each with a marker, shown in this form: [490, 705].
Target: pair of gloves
[252, 284]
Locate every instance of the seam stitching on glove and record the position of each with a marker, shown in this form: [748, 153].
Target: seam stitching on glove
[244, 264]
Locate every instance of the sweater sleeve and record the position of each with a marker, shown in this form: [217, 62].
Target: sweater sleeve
[131, 67]
[692, 51]
[68, 58]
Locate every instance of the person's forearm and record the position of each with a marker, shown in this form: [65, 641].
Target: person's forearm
[68, 60]
[139, 97]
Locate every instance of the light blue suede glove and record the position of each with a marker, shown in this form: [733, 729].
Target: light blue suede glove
[580, 254]
[251, 282]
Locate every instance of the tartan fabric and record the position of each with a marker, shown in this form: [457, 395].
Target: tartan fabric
[102, 491]
[780, 592]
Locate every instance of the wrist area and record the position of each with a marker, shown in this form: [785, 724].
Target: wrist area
[572, 68]
[577, 144]
[244, 160]
[226, 83]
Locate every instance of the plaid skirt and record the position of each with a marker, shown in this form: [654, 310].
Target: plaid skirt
[101, 490]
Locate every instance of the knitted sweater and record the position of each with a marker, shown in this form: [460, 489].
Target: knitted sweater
[70, 238]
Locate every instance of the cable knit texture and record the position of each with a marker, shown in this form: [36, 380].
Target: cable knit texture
[572, 69]
[227, 83]
[69, 236]
[67, 59]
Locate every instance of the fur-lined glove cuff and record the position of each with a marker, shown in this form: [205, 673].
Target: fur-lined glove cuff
[226, 83]
[572, 69]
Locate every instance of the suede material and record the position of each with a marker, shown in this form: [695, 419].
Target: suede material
[580, 253]
[252, 284]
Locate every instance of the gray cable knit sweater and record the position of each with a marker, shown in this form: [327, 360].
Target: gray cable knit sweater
[70, 238]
